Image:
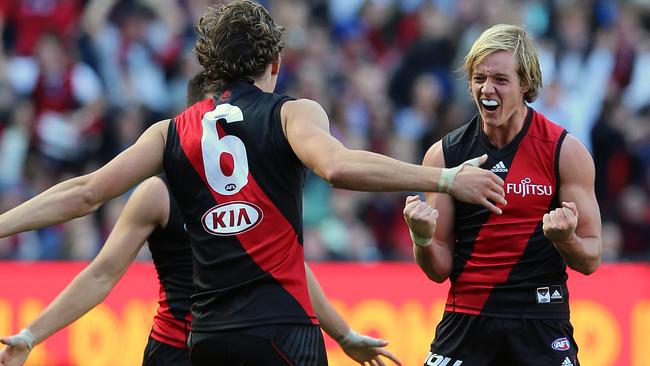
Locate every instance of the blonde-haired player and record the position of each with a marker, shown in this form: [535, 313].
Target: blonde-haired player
[508, 302]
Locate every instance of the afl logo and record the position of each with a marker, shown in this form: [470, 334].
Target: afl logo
[231, 218]
[230, 187]
[561, 344]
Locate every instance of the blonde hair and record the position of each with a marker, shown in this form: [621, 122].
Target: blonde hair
[505, 37]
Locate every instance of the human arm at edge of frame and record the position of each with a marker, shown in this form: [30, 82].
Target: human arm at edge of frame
[143, 213]
[82, 195]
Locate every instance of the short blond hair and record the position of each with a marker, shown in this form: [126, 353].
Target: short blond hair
[505, 37]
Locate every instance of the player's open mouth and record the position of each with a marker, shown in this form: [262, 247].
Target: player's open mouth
[490, 104]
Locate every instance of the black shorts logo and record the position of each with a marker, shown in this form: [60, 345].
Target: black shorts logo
[434, 359]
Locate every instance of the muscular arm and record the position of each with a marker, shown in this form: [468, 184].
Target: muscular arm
[581, 248]
[307, 129]
[306, 126]
[82, 195]
[144, 211]
[435, 260]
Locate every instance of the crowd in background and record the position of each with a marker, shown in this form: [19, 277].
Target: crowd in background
[81, 79]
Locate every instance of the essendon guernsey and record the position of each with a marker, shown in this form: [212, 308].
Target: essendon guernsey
[239, 187]
[504, 266]
[172, 257]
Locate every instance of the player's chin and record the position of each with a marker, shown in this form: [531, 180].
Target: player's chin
[491, 119]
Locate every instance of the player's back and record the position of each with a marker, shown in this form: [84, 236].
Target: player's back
[239, 187]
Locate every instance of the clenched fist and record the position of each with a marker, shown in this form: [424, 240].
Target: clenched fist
[560, 224]
[421, 219]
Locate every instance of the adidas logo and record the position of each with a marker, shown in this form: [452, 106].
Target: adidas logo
[499, 168]
[556, 295]
[567, 362]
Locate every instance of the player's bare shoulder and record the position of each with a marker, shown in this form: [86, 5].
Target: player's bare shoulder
[434, 156]
[576, 163]
[161, 127]
[301, 106]
[300, 113]
[151, 199]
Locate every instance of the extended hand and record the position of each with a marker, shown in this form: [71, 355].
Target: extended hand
[420, 217]
[560, 224]
[478, 186]
[15, 354]
[366, 350]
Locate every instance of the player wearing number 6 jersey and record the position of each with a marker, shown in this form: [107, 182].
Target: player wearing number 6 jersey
[235, 165]
[148, 216]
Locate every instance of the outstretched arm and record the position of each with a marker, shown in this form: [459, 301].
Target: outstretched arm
[360, 348]
[575, 228]
[306, 126]
[144, 211]
[82, 195]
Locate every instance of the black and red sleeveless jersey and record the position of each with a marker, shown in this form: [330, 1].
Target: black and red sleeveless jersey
[239, 184]
[504, 266]
[172, 257]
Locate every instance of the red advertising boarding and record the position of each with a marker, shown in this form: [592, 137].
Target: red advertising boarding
[610, 311]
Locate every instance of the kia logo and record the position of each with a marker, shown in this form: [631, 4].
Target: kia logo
[231, 218]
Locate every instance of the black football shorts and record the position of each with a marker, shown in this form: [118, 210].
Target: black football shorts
[474, 340]
[269, 345]
[161, 354]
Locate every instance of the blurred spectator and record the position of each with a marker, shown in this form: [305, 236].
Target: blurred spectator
[14, 143]
[134, 42]
[612, 241]
[25, 21]
[419, 119]
[634, 213]
[66, 95]
[615, 165]
[583, 69]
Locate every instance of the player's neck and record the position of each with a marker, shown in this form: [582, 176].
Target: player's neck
[501, 135]
[265, 85]
[267, 81]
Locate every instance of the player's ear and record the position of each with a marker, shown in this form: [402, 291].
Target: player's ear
[524, 89]
[275, 66]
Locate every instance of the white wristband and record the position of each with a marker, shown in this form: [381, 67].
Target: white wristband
[24, 335]
[446, 179]
[447, 176]
[420, 241]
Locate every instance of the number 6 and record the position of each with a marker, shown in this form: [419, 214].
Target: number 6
[212, 147]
